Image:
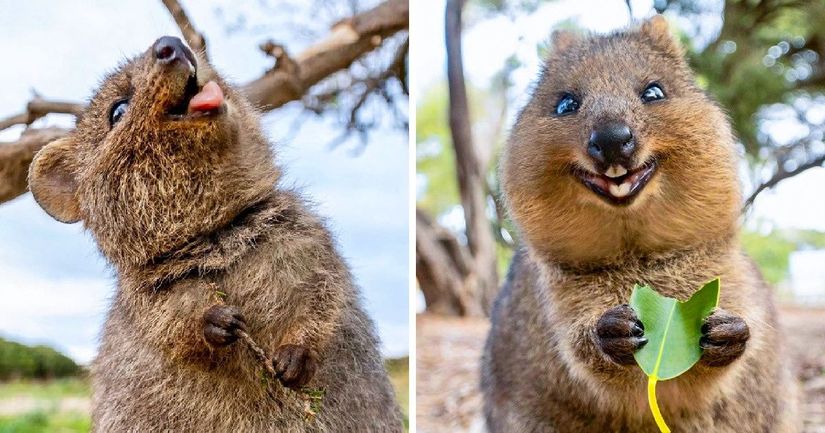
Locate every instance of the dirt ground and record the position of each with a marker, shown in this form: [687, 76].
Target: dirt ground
[448, 351]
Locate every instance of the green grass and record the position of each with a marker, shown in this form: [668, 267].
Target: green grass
[399, 370]
[48, 420]
[52, 389]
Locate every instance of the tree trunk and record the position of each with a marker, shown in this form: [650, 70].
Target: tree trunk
[471, 181]
[443, 268]
[458, 278]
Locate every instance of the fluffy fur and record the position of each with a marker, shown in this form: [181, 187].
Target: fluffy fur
[185, 209]
[556, 358]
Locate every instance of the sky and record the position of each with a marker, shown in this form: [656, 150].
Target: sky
[488, 42]
[54, 285]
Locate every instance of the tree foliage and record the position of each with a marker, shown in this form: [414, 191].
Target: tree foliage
[18, 361]
[766, 68]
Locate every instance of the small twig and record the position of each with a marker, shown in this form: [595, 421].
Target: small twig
[399, 65]
[781, 175]
[259, 353]
[311, 398]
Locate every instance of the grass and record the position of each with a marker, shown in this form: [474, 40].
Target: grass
[48, 419]
[399, 370]
[52, 389]
[42, 421]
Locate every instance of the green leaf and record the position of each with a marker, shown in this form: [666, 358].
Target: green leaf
[673, 330]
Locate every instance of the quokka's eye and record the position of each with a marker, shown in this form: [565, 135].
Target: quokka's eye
[653, 92]
[118, 110]
[568, 104]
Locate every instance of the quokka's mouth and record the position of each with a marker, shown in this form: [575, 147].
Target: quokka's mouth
[618, 185]
[198, 102]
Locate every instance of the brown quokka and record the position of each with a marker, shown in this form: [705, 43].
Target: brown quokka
[620, 170]
[170, 172]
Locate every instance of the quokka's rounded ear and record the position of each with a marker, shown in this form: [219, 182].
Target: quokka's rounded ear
[657, 30]
[52, 181]
[562, 39]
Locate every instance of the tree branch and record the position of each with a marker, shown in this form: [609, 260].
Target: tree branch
[362, 89]
[782, 174]
[193, 38]
[39, 107]
[16, 157]
[349, 40]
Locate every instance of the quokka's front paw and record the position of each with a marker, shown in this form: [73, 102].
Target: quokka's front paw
[221, 323]
[294, 365]
[620, 333]
[724, 337]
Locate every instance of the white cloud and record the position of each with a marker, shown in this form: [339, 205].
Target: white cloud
[62, 312]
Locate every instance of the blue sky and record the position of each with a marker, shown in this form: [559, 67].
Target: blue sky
[54, 286]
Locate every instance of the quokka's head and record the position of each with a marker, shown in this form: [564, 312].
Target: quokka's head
[165, 151]
[618, 151]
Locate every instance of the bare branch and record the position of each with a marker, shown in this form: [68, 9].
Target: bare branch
[349, 40]
[16, 157]
[782, 174]
[362, 88]
[193, 38]
[39, 107]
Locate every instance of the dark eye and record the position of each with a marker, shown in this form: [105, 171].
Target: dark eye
[568, 104]
[653, 92]
[117, 111]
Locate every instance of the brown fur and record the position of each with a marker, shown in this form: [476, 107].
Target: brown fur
[187, 208]
[547, 366]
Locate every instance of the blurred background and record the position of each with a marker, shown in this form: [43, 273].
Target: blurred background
[343, 141]
[763, 60]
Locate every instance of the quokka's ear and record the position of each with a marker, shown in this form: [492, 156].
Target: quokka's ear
[563, 39]
[52, 180]
[657, 30]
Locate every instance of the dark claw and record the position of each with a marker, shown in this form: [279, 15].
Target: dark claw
[620, 334]
[724, 338]
[221, 323]
[294, 365]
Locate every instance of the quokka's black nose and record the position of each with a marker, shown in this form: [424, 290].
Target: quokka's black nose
[169, 49]
[612, 143]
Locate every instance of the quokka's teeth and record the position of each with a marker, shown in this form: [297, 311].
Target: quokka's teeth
[620, 190]
[615, 171]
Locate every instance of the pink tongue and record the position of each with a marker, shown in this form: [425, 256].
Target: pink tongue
[209, 98]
